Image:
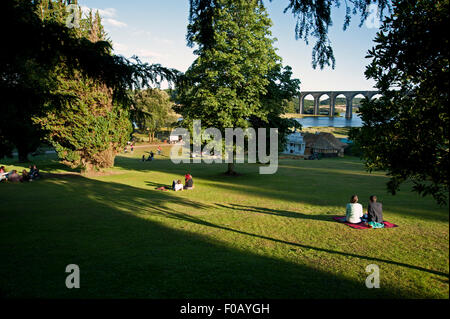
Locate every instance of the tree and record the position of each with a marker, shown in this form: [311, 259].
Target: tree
[152, 110]
[224, 86]
[24, 75]
[313, 18]
[406, 131]
[39, 77]
[92, 127]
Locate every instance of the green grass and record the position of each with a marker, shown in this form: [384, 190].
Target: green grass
[251, 236]
[338, 132]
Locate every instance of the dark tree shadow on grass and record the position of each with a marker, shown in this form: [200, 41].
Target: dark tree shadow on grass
[193, 219]
[276, 212]
[95, 225]
[330, 188]
[158, 185]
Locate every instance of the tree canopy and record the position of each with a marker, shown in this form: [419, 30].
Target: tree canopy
[313, 19]
[152, 110]
[46, 54]
[406, 131]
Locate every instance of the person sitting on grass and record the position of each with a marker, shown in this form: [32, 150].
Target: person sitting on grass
[189, 182]
[375, 213]
[3, 173]
[25, 176]
[177, 185]
[354, 211]
[13, 176]
[34, 173]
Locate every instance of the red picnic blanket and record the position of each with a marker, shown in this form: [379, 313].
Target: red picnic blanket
[361, 225]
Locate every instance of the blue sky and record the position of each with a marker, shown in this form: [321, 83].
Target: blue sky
[155, 31]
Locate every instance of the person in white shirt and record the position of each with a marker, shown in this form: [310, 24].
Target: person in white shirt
[354, 211]
[177, 186]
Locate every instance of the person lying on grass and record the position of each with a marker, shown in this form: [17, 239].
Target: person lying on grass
[375, 213]
[189, 182]
[354, 211]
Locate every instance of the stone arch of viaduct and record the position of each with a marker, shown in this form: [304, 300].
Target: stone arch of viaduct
[349, 95]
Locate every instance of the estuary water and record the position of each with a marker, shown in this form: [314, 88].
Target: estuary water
[324, 121]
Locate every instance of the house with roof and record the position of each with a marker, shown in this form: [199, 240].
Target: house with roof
[323, 143]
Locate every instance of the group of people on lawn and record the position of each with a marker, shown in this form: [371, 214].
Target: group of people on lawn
[151, 155]
[131, 144]
[14, 177]
[373, 218]
[188, 183]
[178, 186]
[354, 210]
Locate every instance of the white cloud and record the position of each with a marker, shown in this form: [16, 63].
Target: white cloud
[108, 12]
[114, 23]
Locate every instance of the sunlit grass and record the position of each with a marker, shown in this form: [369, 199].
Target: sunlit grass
[246, 236]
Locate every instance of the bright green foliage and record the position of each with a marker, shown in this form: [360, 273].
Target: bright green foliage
[91, 129]
[224, 86]
[406, 131]
[152, 110]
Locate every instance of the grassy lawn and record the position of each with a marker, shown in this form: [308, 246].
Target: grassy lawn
[251, 236]
[338, 132]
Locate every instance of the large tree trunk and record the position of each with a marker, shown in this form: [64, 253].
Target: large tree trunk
[104, 159]
[231, 170]
[151, 137]
[23, 154]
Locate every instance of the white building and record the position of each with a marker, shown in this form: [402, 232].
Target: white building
[175, 139]
[295, 144]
